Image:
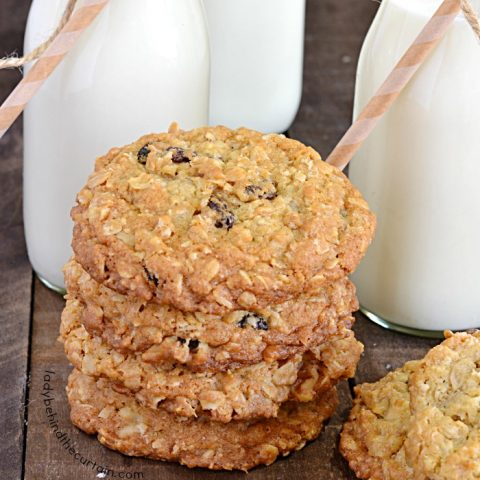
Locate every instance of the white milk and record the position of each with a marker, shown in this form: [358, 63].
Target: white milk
[257, 62]
[140, 66]
[420, 173]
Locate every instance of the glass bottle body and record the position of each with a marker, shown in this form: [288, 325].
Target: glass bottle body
[257, 62]
[134, 71]
[419, 171]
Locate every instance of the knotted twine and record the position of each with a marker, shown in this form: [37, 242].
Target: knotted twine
[16, 62]
[53, 53]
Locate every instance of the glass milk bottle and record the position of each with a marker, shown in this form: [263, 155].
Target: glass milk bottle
[420, 172]
[257, 62]
[139, 66]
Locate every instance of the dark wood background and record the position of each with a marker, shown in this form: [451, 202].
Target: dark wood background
[30, 314]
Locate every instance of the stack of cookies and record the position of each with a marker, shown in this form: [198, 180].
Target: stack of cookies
[208, 310]
[421, 421]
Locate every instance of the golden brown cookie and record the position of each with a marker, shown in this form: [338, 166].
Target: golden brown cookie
[248, 392]
[444, 440]
[214, 220]
[421, 422]
[122, 424]
[208, 342]
[372, 440]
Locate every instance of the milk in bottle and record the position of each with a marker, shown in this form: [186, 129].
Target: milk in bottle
[420, 173]
[257, 62]
[138, 67]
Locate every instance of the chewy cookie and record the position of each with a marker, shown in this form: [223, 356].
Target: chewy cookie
[123, 425]
[372, 440]
[244, 393]
[207, 342]
[444, 441]
[215, 220]
[422, 421]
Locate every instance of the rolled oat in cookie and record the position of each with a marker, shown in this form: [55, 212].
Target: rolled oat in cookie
[444, 439]
[214, 220]
[254, 391]
[372, 440]
[122, 424]
[206, 342]
[421, 422]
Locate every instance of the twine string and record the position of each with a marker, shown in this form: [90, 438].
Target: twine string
[17, 62]
[48, 61]
[51, 52]
[471, 16]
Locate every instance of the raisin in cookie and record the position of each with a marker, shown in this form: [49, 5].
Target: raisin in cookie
[122, 424]
[215, 219]
[249, 392]
[206, 342]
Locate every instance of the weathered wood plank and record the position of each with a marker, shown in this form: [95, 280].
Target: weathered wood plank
[15, 271]
[16, 279]
[13, 15]
[385, 350]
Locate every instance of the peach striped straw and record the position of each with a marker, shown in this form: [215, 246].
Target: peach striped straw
[15, 103]
[428, 38]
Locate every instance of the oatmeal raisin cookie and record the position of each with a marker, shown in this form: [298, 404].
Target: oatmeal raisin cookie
[214, 220]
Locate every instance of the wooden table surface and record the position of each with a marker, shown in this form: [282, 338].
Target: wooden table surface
[32, 364]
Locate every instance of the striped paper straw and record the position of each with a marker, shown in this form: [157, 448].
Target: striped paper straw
[15, 103]
[428, 38]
